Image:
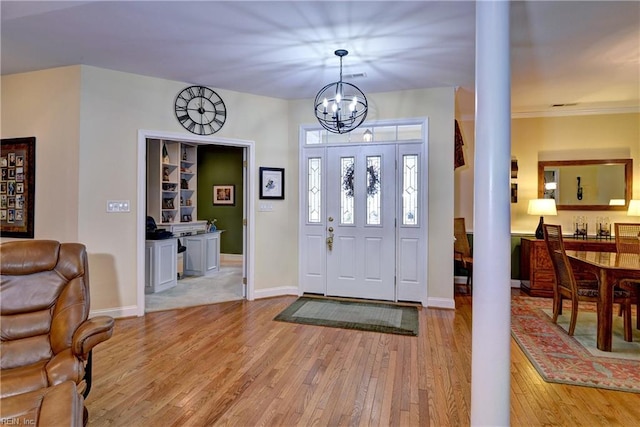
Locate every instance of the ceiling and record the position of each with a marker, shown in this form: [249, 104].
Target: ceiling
[585, 53]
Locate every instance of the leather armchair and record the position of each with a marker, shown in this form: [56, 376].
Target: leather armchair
[46, 336]
[57, 406]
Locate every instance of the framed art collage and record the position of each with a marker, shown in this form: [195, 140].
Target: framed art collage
[17, 187]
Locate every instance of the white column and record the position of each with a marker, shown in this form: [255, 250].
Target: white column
[490, 361]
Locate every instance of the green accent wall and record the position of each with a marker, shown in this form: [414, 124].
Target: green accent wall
[515, 255]
[221, 165]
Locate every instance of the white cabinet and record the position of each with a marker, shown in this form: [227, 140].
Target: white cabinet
[202, 256]
[180, 229]
[171, 181]
[161, 267]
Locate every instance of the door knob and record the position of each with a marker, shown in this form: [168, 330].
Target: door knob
[330, 238]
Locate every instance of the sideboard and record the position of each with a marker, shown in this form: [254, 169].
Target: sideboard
[536, 270]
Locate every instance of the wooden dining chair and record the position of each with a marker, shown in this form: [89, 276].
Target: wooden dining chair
[462, 249]
[567, 287]
[628, 241]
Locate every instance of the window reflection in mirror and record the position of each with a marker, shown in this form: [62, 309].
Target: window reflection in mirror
[586, 184]
[551, 177]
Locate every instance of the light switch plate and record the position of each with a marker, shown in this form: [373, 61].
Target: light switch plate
[114, 206]
[265, 207]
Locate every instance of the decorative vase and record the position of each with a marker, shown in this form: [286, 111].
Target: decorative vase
[165, 154]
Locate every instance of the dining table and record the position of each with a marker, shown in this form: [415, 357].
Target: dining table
[610, 267]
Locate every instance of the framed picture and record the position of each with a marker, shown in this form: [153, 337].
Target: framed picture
[224, 195]
[18, 155]
[272, 183]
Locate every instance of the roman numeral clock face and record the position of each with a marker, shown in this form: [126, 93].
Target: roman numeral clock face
[200, 110]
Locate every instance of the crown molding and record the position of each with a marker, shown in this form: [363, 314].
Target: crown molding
[563, 113]
[559, 112]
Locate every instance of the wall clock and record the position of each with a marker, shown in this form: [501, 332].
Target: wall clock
[200, 110]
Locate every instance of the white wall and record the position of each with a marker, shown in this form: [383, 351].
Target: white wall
[86, 132]
[100, 163]
[46, 104]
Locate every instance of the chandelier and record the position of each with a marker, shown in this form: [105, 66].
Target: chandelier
[340, 107]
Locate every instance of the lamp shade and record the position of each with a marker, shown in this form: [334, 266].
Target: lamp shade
[542, 207]
[634, 208]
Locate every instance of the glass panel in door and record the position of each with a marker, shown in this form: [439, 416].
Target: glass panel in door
[361, 193]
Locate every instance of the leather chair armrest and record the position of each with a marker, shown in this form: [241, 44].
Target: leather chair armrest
[91, 333]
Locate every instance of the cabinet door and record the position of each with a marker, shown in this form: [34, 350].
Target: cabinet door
[160, 265]
[194, 256]
[542, 259]
[148, 268]
[212, 250]
[167, 259]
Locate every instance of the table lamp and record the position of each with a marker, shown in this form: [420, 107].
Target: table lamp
[634, 208]
[541, 207]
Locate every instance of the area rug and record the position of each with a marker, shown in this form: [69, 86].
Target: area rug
[559, 358]
[364, 316]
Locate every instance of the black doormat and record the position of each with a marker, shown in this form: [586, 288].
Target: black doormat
[364, 316]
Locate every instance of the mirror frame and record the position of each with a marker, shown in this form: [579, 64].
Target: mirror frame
[628, 174]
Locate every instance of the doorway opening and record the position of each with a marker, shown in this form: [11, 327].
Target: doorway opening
[232, 274]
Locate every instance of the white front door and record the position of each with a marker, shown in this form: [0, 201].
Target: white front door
[369, 202]
[361, 206]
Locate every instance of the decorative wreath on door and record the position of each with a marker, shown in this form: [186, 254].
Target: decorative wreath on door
[373, 180]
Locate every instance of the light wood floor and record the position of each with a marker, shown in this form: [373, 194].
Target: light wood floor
[230, 364]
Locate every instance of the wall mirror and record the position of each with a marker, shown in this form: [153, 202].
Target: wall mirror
[586, 184]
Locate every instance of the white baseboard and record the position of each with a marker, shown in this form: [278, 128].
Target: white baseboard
[116, 313]
[448, 303]
[231, 257]
[276, 292]
[132, 310]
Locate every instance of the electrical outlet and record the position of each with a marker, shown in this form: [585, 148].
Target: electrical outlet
[114, 206]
